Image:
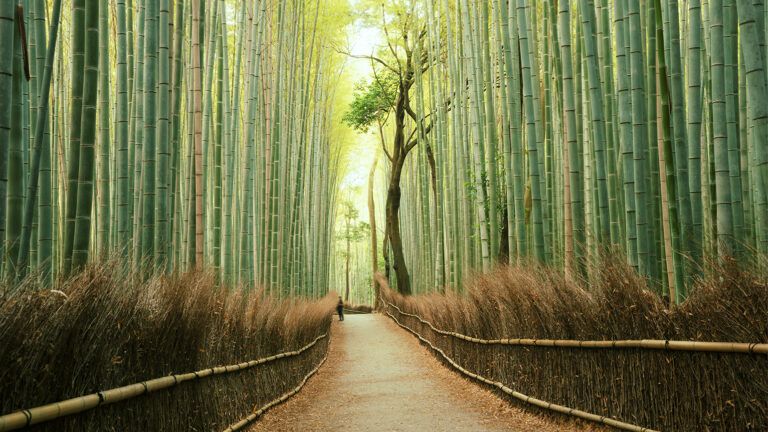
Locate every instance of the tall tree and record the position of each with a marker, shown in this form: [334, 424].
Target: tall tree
[403, 71]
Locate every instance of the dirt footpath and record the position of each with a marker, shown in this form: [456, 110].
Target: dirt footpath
[379, 378]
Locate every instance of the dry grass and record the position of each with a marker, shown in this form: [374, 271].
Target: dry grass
[103, 329]
[357, 308]
[679, 391]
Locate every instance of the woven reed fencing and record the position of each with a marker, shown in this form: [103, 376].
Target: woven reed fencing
[240, 425]
[575, 363]
[57, 410]
[101, 330]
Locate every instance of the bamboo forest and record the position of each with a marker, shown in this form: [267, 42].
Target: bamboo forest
[314, 215]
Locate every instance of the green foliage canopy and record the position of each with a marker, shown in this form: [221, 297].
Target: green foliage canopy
[372, 102]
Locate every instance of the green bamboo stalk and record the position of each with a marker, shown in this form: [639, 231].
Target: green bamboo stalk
[40, 150]
[722, 165]
[598, 126]
[640, 150]
[694, 113]
[86, 167]
[732, 112]
[73, 152]
[103, 171]
[15, 161]
[515, 165]
[491, 138]
[531, 132]
[669, 164]
[625, 126]
[45, 229]
[576, 230]
[135, 148]
[7, 34]
[757, 112]
[162, 235]
[196, 223]
[474, 108]
[177, 220]
[122, 127]
[149, 155]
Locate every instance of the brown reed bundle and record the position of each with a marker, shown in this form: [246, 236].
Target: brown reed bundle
[104, 328]
[357, 308]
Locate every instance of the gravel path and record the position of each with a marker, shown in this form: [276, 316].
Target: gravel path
[379, 378]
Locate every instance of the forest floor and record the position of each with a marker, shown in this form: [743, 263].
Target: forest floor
[379, 378]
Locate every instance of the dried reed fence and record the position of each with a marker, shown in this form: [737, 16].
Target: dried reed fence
[351, 308]
[284, 397]
[639, 383]
[103, 329]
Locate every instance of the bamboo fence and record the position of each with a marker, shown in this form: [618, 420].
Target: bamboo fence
[52, 411]
[259, 412]
[754, 351]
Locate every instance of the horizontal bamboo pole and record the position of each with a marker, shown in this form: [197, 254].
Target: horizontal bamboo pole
[52, 411]
[258, 413]
[650, 344]
[525, 398]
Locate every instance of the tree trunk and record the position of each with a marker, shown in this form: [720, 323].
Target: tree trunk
[372, 222]
[393, 228]
[346, 263]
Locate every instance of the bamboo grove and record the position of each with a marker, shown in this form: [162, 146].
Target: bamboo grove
[566, 131]
[174, 133]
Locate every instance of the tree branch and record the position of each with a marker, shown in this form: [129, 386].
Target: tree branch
[399, 70]
[369, 57]
[384, 143]
[413, 141]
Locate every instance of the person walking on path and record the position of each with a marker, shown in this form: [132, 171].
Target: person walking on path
[340, 309]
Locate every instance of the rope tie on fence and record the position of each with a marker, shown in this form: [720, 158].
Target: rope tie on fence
[44, 413]
[520, 396]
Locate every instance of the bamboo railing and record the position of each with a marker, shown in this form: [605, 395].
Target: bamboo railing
[651, 344]
[52, 411]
